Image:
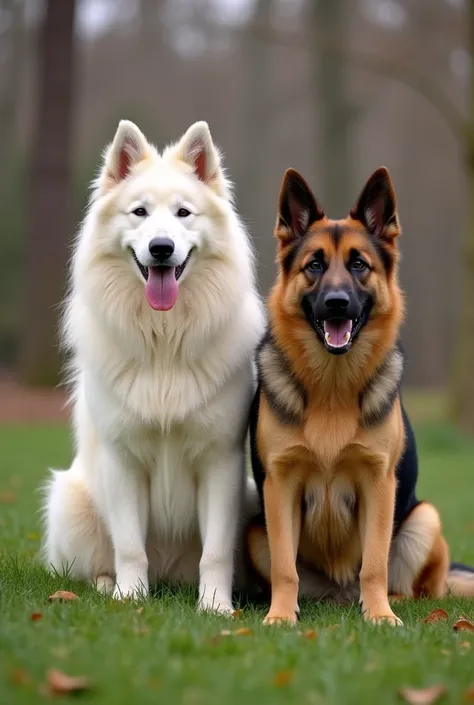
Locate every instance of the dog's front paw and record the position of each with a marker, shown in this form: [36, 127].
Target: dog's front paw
[221, 606]
[382, 616]
[281, 616]
[129, 592]
[105, 584]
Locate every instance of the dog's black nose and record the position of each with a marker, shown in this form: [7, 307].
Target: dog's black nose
[161, 248]
[336, 300]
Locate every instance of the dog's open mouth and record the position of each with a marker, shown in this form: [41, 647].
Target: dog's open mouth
[161, 283]
[177, 270]
[338, 334]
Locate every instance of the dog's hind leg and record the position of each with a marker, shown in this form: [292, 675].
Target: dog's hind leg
[76, 540]
[419, 557]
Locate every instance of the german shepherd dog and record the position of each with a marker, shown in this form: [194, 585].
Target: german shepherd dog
[333, 453]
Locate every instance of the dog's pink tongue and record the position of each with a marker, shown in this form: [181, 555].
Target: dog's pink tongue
[337, 332]
[161, 288]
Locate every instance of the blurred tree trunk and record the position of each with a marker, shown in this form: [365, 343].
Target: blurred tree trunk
[255, 133]
[330, 18]
[12, 81]
[50, 226]
[463, 379]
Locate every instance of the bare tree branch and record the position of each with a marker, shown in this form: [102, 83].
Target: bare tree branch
[394, 69]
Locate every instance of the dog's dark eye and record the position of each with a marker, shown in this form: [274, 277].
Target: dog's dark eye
[315, 266]
[358, 265]
[183, 213]
[140, 212]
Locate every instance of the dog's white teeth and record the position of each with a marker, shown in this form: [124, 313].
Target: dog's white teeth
[327, 337]
[347, 337]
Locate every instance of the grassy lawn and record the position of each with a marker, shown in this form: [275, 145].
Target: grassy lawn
[165, 653]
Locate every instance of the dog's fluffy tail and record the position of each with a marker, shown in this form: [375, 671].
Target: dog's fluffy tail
[460, 580]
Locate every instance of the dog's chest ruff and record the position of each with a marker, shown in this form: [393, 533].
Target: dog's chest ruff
[378, 397]
[284, 392]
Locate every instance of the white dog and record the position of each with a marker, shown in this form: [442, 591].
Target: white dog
[162, 323]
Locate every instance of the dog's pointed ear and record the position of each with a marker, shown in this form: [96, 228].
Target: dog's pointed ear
[129, 148]
[197, 149]
[298, 208]
[377, 207]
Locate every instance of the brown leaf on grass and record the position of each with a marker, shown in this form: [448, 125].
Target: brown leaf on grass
[469, 694]
[283, 678]
[423, 696]
[63, 596]
[7, 497]
[237, 614]
[463, 625]
[19, 676]
[36, 616]
[371, 666]
[243, 631]
[437, 615]
[60, 683]
[309, 634]
[141, 630]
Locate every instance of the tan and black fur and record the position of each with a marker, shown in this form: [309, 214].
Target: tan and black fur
[332, 449]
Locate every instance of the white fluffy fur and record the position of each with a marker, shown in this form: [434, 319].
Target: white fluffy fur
[160, 398]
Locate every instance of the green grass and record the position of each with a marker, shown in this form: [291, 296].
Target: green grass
[168, 654]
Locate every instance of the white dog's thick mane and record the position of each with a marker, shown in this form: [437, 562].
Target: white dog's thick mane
[179, 352]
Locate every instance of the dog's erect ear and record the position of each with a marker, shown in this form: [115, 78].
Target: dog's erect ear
[128, 148]
[298, 208]
[377, 208]
[197, 149]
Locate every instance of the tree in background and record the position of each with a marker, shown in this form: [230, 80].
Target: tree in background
[462, 396]
[50, 226]
[332, 103]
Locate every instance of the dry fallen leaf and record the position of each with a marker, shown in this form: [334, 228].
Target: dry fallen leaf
[243, 631]
[7, 497]
[141, 630]
[19, 676]
[437, 615]
[371, 666]
[463, 625]
[63, 596]
[36, 616]
[237, 614]
[309, 634]
[469, 694]
[282, 678]
[60, 683]
[423, 696]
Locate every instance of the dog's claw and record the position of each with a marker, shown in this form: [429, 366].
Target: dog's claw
[289, 618]
[391, 619]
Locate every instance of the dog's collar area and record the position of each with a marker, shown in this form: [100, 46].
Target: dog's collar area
[177, 270]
